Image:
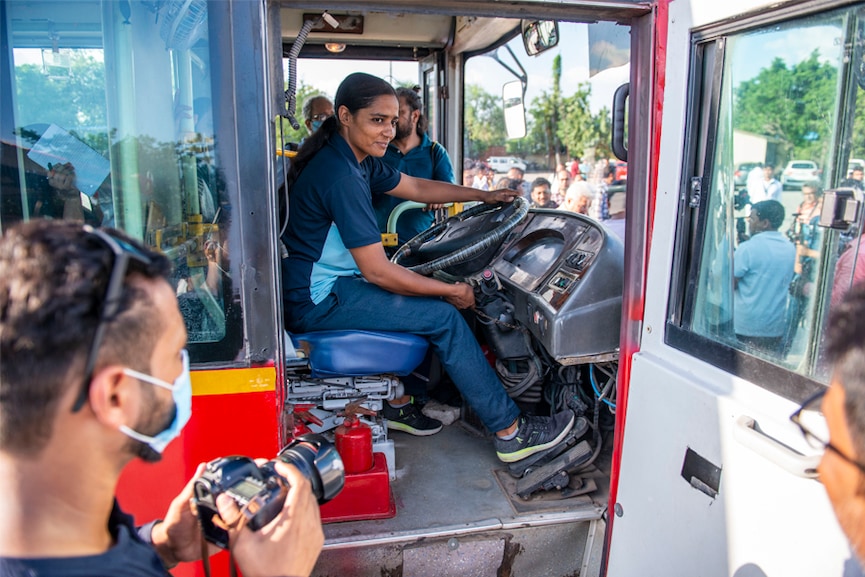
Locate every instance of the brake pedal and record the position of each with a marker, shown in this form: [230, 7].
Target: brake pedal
[521, 467]
[554, 474]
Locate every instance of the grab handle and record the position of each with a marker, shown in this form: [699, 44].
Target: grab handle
[773, 450]
[618, 128]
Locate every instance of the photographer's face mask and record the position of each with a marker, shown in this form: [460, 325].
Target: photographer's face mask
[181, 391]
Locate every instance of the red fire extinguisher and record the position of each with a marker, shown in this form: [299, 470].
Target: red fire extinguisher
[354, 444]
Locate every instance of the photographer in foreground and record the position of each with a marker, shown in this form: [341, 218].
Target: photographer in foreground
[93, 374]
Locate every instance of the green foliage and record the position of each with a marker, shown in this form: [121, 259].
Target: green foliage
[484, 121]
[577, 129]
[75, 102]
[792, 104]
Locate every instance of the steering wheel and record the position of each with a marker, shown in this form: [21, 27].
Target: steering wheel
[461, 237]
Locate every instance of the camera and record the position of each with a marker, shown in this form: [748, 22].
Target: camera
[260, 491]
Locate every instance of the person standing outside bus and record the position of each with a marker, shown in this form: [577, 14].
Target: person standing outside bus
[762, 271]
[94, 375]
[766, 187]
[337, 275]
[412, 152]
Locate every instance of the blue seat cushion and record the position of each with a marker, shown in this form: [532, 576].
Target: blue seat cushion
[361, 353]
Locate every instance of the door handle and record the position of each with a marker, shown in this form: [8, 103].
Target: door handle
[745, 431]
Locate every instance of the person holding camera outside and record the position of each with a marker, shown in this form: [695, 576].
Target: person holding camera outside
[805, 233]
[95, 374]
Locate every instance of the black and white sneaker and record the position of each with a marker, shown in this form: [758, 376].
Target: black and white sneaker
[534, 434]
[409, 419]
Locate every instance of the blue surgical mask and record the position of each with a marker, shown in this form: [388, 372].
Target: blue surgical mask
[316, 124]
[181, 392]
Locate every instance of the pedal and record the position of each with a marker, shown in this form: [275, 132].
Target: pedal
[518, 469]
[554, 474]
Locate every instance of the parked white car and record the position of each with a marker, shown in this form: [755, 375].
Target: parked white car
[505, 163]
[798, 172]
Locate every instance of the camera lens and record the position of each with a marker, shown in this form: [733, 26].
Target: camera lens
[317, 459]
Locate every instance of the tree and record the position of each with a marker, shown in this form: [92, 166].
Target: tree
[577, 129]
[76, 102]
[484, 121]
[794, 105]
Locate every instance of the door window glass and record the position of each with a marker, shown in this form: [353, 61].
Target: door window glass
[108, 119]
[773, 131]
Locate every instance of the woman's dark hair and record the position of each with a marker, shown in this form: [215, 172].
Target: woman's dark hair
[356, 92]
[412, 98]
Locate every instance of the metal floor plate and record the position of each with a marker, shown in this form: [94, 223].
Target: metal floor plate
[446, 485]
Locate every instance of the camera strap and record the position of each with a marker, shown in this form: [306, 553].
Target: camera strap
[246, 513]
[205, 560]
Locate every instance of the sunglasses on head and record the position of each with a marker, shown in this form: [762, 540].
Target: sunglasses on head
[123, 253]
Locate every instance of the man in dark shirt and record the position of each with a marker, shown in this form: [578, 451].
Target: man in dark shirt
[95, 374]
[412, 152]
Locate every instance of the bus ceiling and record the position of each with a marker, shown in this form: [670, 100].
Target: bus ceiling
[400, 31]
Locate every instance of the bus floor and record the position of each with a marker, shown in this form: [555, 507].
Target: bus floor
[450, 490]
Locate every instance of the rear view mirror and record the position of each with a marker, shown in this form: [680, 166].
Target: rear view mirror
[515, 110]
[539, 35]
[841, 208]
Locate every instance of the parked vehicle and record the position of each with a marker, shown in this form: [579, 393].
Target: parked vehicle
[740, 177]
[505, 163]
[798, 172]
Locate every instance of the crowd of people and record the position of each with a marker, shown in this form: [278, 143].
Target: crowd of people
[597, 191]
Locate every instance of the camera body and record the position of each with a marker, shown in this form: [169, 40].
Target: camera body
[259, 490]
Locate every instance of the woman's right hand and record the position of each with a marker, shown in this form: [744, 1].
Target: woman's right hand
[462, 297]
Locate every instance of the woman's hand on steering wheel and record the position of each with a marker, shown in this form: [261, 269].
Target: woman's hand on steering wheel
[502, 195]
[463, 297]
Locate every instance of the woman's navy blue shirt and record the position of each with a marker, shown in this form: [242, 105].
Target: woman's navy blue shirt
[330, 212]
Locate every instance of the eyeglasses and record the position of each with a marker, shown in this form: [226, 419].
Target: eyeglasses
[812, 403]
[320, 117]
[123, 253]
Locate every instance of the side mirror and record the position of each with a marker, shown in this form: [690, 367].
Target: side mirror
[539, 35]
[515, 109]
[841, 208]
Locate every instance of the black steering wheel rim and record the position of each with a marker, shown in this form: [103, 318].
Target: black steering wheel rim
[494, 236]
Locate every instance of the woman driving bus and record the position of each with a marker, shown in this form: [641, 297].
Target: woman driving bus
[338, 277]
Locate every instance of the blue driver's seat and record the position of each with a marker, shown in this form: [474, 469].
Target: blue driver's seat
[358, 353]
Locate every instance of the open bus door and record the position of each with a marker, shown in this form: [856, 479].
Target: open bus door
[714, 478]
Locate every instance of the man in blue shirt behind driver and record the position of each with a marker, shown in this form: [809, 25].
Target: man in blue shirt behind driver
[412, 152]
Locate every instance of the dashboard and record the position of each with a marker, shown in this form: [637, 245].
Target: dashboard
[564, 274]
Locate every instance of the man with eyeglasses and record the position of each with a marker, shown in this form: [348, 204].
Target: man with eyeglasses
[316, 109]
[842, 468]
[94, 373]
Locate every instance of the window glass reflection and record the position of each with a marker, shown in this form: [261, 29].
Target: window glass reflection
[110, 122]
[765, 265]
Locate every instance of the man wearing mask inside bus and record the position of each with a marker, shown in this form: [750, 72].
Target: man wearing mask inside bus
[337, 275]
[316, 110]
[412, 152]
